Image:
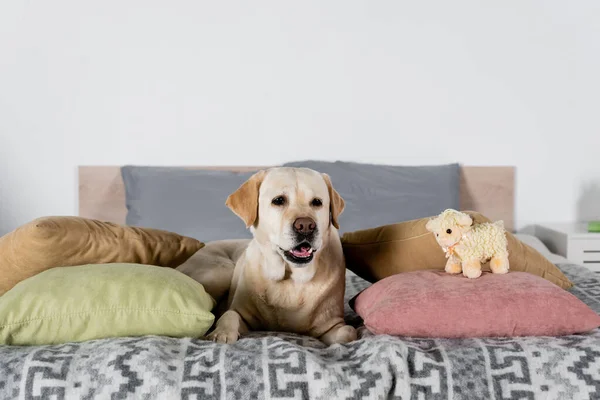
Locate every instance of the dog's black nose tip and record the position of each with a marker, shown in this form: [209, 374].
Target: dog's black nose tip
[305, 225]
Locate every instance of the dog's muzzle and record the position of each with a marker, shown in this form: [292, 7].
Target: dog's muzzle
[300, 254]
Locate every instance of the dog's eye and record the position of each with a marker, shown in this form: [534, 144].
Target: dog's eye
[316, 202]
[278, 201]
[448, 231]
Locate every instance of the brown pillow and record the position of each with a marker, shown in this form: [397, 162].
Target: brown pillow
[377, 253]
[50, 242]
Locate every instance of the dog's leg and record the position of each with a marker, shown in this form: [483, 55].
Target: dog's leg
[213, 266]
[229, 328]
[340, 333]
[453, 266]
[499, 265]
[471, 269]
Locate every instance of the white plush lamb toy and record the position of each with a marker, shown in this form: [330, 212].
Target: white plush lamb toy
[467, 245]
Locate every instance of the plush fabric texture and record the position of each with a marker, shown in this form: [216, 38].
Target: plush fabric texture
[382, 194]
[50, 242]
[190, 202]
[88, 302]
[436, 304]
[377, 253]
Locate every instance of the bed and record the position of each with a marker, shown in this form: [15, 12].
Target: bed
[279, 365]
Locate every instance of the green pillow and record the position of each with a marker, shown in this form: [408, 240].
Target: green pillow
[74, 304]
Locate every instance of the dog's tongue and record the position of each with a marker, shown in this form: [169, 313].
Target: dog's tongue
[303, 251]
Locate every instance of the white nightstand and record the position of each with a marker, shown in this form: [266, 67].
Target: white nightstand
[573, 242]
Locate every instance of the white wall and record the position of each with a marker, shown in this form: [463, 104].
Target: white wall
[173, 83]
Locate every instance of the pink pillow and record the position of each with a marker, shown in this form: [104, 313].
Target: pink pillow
[437, 304]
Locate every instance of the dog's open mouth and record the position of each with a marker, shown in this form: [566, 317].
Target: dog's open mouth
[301, 254]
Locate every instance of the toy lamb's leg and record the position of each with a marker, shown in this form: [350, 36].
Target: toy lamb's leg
[453, 266]
[499, 264]
[471, 269]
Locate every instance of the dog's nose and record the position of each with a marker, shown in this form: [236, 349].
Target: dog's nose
[305, 225]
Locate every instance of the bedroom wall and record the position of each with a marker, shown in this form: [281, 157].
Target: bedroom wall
[232, 83]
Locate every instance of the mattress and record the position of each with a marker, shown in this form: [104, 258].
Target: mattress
[284, 366]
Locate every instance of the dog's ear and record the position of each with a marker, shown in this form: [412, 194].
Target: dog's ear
[244, 201]
[336, 203]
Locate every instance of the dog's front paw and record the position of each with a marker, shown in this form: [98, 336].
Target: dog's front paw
[223, 336]
[346, 334]
[340, 334]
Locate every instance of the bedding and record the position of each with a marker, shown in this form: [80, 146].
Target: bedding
[378, 194]
[376, 253]
[292, 366]
[61, 241]
[433, 303]
[98, 301]
[188, 201]
[192, 201]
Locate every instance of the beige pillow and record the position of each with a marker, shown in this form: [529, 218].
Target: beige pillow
[377, 253]
[67, 241]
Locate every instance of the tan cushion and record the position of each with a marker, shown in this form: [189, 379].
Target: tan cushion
[377, 253]
[67, 241]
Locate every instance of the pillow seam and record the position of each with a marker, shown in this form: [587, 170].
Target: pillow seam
[99, 311]
[384, 241]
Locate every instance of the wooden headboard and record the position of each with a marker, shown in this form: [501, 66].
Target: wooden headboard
[489, 190]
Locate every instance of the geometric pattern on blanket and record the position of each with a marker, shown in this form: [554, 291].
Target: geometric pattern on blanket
[284, 366]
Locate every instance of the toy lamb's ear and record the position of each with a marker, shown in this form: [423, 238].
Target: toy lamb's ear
[465, 220]
[431, 225]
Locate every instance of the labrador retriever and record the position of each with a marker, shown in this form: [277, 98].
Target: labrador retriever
[291, 275]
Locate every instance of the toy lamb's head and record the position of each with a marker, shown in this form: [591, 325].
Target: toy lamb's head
[449, 227]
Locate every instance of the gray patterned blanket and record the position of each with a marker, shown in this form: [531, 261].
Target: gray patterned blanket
[284, 366]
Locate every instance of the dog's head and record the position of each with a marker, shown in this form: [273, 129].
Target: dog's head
[290, 209]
